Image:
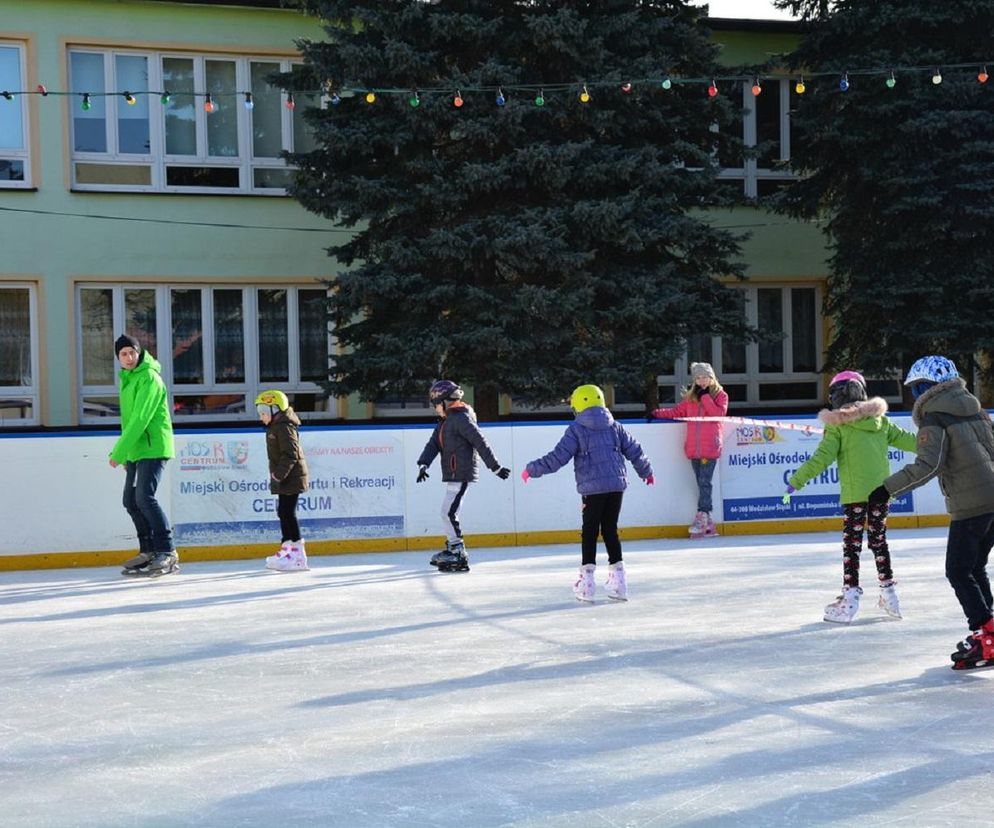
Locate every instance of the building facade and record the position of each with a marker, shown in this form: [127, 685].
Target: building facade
[142, 190]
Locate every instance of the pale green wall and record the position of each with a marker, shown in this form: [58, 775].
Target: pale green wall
[57, 248]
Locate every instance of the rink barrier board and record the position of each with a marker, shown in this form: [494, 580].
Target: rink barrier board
[194, 554]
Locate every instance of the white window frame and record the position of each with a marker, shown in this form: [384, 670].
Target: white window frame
[751, 378]
[24, 153]
[31, 391]
[158, 162]
[750, 174]
[248, 389]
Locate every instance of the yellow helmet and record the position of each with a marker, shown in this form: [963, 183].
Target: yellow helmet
[273, 398]
[586, 396]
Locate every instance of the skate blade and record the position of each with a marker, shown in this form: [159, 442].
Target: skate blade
[158, 573]
[443, 568]
[841, 621]
[974, 665]
[582, 599]
[702, 535]
[620, 598]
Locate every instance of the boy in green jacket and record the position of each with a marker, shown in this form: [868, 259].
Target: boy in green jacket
[145, 444]
[857, 436]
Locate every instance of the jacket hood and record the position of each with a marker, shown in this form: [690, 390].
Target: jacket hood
[595, 418]
[289, 414]
[948, 397]
[870, 410]
[147, 363]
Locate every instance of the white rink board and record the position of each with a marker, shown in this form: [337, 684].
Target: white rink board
[62, 496]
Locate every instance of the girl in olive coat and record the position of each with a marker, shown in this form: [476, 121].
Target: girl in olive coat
[857, 437]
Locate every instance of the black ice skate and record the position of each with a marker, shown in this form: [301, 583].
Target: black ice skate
[453, 559]
[438, 556]
[978, 652]
[164, 563]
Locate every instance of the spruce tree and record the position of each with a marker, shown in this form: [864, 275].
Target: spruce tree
[526, 241]
[901, 168]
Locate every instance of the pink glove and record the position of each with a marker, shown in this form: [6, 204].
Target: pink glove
[525, 475]
[650, 480]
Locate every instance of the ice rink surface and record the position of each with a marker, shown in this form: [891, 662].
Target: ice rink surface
[374, 691]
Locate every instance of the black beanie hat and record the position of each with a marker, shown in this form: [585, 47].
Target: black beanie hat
[125, 341]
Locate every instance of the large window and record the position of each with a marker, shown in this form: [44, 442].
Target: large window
[780, 370]
[766, 135]
[142, 122]
[15, 169]
[18, 355]
[219, 345]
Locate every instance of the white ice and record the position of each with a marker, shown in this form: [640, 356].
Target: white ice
[374, 691]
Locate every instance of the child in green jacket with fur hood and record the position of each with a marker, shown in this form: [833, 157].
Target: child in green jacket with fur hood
[857, 437]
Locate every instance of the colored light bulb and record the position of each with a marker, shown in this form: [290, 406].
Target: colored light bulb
[415, 100]
[86, 105]
[457, 101]
[756, 88]
[937, 77]
[249, 103]
[165, 98]
[500, 99]
[712, 89]
[844, 83]
[370, 97]
[41, 89]
[584, 96]
[982, 75]
[129, 99]
[891, 81]
[291, 104]
[335, 99]
[799, 87]
[209, 105]
[626, 88]
[6, 95]
[539, 100]
[667, 83]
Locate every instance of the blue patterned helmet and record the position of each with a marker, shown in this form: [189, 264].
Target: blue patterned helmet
[931, 369]
[444, 391]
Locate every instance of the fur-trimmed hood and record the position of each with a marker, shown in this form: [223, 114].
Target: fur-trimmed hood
[949, 397]
[874, 407]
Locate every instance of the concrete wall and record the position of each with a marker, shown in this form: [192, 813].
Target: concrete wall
[62, 502]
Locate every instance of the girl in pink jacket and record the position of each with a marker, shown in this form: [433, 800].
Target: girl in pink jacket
[704, 398]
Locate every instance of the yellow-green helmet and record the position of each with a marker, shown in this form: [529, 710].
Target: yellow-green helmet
[586, 396]
[273, 398]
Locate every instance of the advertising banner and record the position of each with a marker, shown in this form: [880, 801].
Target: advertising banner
[756, 463]
[221, 487]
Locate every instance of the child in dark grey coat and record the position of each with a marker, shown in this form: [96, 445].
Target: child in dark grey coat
[458, 439]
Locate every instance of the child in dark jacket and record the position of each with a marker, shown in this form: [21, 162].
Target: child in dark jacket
[288, 476]
[458, 438]
[598, 446]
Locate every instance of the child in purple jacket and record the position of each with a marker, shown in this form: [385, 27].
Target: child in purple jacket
[598, 446]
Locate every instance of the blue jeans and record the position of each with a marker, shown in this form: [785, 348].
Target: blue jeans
[704, 471]
[141, 480]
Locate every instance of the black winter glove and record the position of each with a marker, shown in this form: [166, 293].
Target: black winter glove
[879, 495]
[422, 474]
[503, 473]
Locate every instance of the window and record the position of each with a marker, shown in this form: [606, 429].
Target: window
[141, 123]
[766, 131]
[219, 345]
[15, 169]
[18, 355]
[780, 370]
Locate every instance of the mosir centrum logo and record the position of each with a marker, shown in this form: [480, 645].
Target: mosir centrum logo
[752, 435]
[213, 454]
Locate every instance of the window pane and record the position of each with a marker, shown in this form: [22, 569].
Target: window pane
[802, 336]
[770, 307]
[11, 124]
[699, 349]
[267, 117]
[229, 337]
[767, 107]
[202, 177]
[273, 352]
[313, 313]
[96, 317]
[222, 124]
[188, 333]
[15, 337]
[303, 138]
[733, 354]
[132, 119]
[181, 111]
[124, 174]
[89, 127]
[139, 318]
[11, 170]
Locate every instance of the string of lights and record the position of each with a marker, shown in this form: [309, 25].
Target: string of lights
[536, 91]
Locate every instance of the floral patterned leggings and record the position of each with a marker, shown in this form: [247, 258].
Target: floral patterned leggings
[872, 517]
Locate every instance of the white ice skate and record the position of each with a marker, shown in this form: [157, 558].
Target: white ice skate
[888, 600]
[617, 584]
[845, 607]
[271, 561]
[294, 561]
[706, 527]
[584, 587]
